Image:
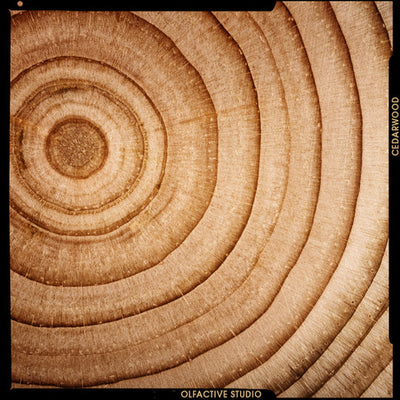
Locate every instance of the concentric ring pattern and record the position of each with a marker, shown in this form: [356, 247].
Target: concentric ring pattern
[199, 199]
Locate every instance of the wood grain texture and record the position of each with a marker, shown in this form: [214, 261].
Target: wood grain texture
[199, 199]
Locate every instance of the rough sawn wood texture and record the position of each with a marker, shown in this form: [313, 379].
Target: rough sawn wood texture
[200, 199]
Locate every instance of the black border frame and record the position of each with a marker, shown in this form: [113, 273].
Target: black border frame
[205, 5]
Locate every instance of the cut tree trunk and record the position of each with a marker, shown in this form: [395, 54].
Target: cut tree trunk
[200, 199]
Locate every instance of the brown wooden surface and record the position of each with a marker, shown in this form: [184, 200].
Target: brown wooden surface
[200, 199]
